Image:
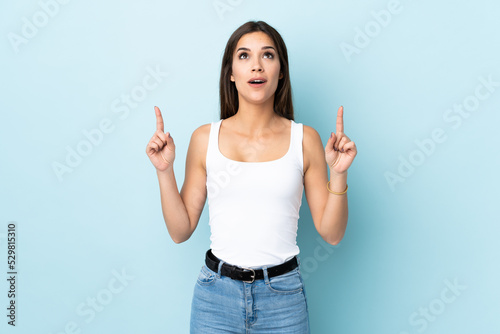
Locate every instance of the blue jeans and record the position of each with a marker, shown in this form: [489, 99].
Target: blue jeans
[271, 305]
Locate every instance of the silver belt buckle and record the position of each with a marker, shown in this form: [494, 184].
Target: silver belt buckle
[253, 275]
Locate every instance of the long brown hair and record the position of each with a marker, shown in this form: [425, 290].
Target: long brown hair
[227, 89]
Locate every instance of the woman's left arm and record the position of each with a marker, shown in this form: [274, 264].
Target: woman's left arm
[328, 205]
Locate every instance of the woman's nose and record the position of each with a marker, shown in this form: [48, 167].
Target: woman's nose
[257, 67]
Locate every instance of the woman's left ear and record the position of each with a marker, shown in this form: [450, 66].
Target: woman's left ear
[281, 75]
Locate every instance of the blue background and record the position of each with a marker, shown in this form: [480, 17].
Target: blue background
[405, 243]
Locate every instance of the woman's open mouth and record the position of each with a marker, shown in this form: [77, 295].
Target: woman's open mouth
[257, 82]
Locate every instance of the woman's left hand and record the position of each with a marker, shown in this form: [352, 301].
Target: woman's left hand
[340, 150]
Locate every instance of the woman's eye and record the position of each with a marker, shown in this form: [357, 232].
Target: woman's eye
[244, 55]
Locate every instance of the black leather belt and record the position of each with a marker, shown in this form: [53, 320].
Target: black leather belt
[247, 275]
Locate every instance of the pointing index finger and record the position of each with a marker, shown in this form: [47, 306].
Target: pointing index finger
[159, 119]
[340, 119]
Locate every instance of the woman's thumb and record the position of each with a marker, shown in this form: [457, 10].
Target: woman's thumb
[170, 140]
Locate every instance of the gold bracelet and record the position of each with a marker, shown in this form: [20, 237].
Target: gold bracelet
[346, 186]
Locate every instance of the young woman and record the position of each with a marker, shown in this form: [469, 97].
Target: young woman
[253, 165]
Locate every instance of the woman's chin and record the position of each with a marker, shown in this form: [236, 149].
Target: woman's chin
[257, 98]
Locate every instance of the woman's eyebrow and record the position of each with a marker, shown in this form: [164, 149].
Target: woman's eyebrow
[263, 48]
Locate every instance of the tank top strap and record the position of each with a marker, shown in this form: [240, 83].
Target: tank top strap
[297, 151]
[212, 144]
[214, 132]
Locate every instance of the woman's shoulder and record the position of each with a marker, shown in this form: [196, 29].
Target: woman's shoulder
[199, 142]
[312, 146]
[204, 128]
[311, 136]
[201, 133]
[310, 133]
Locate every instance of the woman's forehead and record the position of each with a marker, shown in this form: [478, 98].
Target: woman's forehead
[255, 39]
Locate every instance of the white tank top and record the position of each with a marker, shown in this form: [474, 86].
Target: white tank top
[254, 206]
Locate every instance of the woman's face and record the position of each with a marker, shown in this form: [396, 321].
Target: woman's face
[256, 57]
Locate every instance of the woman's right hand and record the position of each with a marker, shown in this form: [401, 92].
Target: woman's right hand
[161, 147]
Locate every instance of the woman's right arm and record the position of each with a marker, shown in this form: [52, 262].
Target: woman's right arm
[181, 211]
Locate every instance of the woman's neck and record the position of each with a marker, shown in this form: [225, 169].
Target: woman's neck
[251, 118]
